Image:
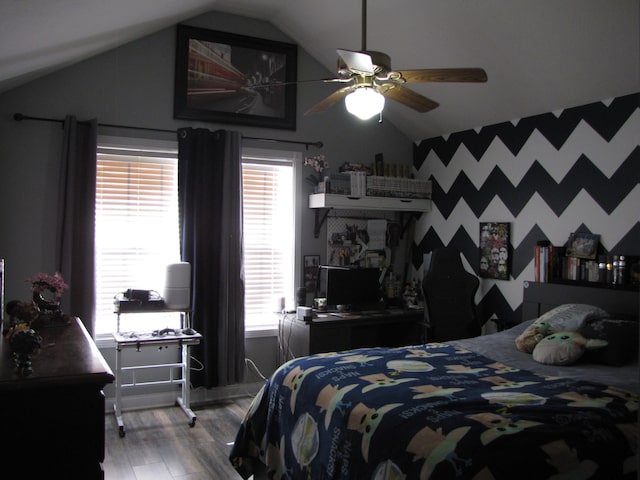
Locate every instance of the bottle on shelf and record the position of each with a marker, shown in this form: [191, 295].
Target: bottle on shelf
[609, 270]
[602, 270]
[619, 267]
[389, 289]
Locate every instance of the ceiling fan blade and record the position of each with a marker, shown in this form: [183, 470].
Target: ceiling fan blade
[357, 62]
[444, 75]
[410, 98]
[330, 100]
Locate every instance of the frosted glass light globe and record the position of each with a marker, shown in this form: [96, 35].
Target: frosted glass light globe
[364, 102]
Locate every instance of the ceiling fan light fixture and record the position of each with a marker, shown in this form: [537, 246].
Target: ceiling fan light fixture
[364, 102]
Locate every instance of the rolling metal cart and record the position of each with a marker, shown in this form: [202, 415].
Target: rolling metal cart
[183, 337]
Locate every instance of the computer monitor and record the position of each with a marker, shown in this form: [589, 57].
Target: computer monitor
[359, 288]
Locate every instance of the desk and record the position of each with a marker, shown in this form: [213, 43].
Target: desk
[53, 420]
[165, 337]
[328, 332]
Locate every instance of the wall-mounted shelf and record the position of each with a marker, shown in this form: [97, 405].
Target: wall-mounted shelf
[348, 202]
[328, 200]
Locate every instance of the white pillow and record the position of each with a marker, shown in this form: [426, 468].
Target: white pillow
[570, 316]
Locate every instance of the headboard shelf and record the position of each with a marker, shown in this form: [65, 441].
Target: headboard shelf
[605, 286]
[539, 298]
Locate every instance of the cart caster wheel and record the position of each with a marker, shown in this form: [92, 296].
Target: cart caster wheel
[121, 432]
[192, 422]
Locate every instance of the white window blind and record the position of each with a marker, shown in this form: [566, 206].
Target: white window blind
[269, 238]
[137, 231]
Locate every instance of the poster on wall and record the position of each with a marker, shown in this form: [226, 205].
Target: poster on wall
[494, 250]
[311, 263]
[223, 77]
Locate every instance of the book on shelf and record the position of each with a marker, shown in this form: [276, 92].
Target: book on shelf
[543, 256]
[580, 269]
[551, 264]
[547, 261]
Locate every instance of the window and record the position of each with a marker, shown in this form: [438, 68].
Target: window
[137, 233]
[269, 235]
[137, 229]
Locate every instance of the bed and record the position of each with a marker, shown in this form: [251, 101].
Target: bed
[468, 409]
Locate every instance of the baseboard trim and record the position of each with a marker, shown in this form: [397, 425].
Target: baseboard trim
[202, 395]
[199, 397]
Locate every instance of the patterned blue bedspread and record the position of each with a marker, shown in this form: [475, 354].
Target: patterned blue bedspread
[433, 411]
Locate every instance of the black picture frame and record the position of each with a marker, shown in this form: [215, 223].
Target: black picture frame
[583, 245]
[228, 78]
[495, 258]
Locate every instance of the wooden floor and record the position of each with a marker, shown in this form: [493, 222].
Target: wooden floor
[160, 445]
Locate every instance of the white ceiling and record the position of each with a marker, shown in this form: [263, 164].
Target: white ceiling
[540, 55]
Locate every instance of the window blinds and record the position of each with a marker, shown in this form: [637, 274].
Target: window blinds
[268, 238]
[136, 225]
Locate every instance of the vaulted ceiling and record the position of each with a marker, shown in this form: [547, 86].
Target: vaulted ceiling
[539, 55]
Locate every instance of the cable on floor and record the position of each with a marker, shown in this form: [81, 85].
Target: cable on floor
[256, 370]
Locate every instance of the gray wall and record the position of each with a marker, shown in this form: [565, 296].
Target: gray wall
[133, 85]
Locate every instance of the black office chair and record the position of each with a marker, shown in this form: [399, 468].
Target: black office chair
[449, 294]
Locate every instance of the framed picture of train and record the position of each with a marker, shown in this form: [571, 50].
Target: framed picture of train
[228, 78]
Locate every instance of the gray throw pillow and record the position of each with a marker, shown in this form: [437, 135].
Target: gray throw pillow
[571, 316]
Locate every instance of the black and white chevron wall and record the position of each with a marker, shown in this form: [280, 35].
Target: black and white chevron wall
[574, 170]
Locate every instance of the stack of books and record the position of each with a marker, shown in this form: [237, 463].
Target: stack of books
[544, 261]
[551, 264]
[358, 184]
[580, 269]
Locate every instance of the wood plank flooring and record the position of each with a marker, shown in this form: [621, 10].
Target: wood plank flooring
[160, 445]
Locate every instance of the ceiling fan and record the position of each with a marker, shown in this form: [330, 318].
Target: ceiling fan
[370, 78]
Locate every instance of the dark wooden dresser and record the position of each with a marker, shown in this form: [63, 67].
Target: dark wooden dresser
[52, 421]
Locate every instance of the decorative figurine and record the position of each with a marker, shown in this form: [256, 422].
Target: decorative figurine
[24, 343]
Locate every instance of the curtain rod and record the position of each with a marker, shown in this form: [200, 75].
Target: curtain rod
[19, 117]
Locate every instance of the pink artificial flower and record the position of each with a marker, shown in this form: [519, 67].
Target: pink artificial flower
[43, 281]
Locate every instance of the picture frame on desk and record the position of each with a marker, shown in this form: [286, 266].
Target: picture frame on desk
[583, 245]
[223, 77]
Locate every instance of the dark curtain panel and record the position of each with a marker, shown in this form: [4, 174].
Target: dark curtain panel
[210, 199]
[75, 236]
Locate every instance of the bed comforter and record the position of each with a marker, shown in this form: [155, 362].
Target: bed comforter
[435, 411]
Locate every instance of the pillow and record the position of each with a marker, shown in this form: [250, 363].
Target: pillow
[571, 316]
[566, 317]
[564, 348]
[621, 335]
